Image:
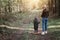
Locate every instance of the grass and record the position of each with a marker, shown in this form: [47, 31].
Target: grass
[54, 22]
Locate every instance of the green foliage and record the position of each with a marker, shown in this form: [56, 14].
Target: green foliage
[6, 11]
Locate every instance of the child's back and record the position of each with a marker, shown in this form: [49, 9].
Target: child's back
[36, 22]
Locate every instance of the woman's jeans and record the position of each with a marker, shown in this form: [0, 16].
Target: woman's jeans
[44, 24]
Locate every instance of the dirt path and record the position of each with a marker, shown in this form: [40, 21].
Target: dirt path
[22, 34]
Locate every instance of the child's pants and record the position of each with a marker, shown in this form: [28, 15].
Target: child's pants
[36, 27]
[44, 24]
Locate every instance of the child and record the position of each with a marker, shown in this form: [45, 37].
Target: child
[36, 22]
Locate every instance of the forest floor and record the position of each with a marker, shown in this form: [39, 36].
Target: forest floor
[14, 34]
[18, 33]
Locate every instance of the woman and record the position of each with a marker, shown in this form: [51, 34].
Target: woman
[44, 16]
